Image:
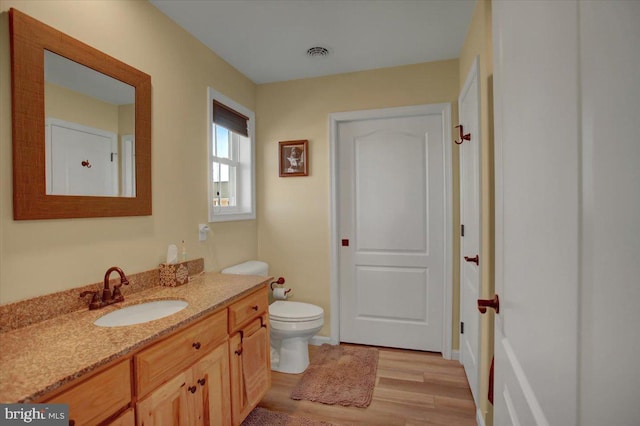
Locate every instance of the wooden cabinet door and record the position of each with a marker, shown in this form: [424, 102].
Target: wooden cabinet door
[197, 396]
[169, 405]
[250, 367]
[255, 376]
[211, 376]
[238, 398]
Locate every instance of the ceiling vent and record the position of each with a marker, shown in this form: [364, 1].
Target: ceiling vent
[317, 51]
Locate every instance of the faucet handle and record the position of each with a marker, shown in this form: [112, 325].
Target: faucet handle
[95, 299]
[117, 294]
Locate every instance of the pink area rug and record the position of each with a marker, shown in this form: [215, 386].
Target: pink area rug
[343, 375]
[261, 417]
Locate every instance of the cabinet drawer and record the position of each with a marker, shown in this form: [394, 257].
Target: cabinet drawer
[161, 361]
[90, 404]
[126, 419]
[247, 309]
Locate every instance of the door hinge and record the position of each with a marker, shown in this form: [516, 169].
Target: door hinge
[461, 327]
[462, 230]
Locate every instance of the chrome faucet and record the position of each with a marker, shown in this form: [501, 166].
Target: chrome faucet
[108, 297]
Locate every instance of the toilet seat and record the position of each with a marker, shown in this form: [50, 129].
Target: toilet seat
[284, 311]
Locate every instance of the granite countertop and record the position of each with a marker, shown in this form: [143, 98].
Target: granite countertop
[38, 359]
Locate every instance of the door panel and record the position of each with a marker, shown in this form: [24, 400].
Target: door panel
[392, 203]
[390, 172]
[405, 301]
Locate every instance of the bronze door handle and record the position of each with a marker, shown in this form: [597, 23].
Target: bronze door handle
[475, 259]
[494, 303]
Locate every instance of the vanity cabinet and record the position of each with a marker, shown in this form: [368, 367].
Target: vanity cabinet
[249, 350]
[186, 376]
[196, 396]
[99, 397]
[213, 371]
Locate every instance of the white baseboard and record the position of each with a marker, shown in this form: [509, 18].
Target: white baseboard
[455, 355]
[319, 340]
[479, 417]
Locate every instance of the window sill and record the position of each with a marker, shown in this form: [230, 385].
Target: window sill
[230, 217]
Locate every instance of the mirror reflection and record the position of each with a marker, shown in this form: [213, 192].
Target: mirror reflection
[89, 131]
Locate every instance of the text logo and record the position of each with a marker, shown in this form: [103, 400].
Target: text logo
[34, 414]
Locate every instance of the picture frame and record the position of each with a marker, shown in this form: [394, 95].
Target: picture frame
[294, 158]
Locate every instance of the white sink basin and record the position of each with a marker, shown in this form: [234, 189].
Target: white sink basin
[141, 313]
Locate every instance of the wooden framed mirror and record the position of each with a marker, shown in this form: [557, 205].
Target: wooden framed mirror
[35, 193]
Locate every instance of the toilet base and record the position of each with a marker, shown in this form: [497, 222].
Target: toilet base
[290, 355]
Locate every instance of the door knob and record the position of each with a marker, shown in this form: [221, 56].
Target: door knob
[475, 259]
[494, 303]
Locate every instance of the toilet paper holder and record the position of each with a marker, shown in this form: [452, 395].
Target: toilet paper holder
[279, 281]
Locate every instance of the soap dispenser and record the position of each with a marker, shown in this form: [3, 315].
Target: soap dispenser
[184, 251]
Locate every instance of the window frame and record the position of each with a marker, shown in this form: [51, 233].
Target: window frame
[240, 211]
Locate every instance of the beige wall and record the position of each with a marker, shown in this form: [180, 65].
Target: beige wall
[75, 107]
[293, 213]
[292, 230]
[479, 43]
[126, 119]
[44, 256]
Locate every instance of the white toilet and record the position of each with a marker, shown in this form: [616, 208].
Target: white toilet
[293, 324]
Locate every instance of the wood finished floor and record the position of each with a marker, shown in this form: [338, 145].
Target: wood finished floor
[412, 388]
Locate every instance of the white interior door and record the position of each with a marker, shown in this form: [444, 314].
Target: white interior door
[537, 212]
[469, 113]
[610, 290]
[80, 160]
[392, 203]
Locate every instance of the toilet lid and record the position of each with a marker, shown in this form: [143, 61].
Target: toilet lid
[294, 311]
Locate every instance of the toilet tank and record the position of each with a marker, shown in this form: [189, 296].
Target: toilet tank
[251, 267]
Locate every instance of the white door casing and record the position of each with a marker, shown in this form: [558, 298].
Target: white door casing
[392, 283]
[470, 242]
[128, 165]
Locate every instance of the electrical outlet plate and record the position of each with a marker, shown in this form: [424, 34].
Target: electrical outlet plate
[203, 228]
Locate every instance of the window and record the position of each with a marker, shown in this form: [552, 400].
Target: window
[231, 160]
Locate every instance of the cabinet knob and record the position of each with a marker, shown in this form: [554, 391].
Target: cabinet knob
[196, 345]
[192, 389]
[202, 381]
[254, 307]
[238, 352]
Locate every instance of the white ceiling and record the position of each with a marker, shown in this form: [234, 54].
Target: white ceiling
[79, 78]
[267, 40]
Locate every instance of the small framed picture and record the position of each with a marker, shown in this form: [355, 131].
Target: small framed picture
[294, 158]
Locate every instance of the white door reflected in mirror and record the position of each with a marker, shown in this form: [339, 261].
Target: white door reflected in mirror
[90, 123]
